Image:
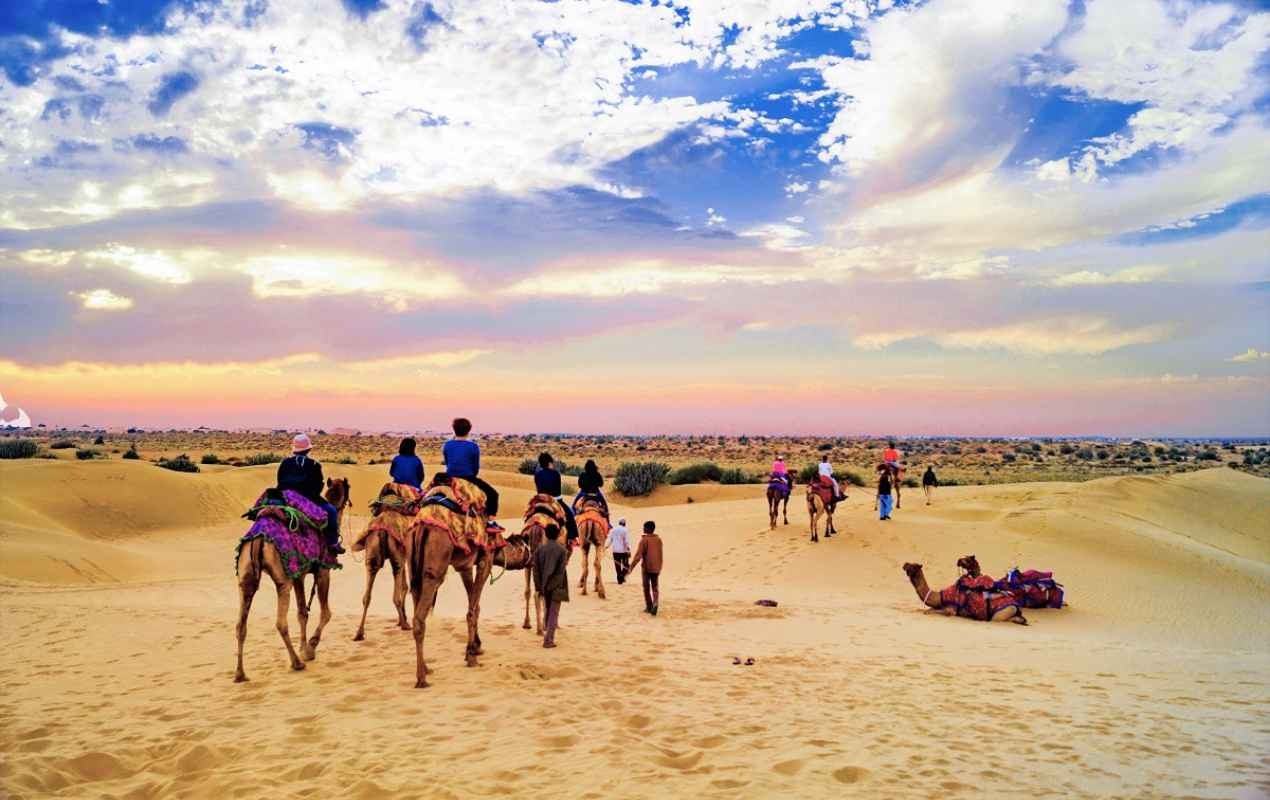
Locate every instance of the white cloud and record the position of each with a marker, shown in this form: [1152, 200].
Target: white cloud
[796, 187]
[714, 218]
[1251, 355]
[1071, 335]
[1143, 274]
[104, 300]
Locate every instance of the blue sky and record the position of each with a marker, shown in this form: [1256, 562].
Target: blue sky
[991, 199]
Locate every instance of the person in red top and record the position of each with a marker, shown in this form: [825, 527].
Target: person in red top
[891, 456]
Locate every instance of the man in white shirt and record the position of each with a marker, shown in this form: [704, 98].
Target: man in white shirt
[826, 472]
[621, 546]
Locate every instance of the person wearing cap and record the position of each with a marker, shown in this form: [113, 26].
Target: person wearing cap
[303, 474]
[620, 544]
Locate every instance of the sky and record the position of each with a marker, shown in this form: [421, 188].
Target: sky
[982, 217]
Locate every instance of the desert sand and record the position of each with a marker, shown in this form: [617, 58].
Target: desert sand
[118, 601]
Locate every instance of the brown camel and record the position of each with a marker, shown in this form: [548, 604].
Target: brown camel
[543, 510]
[260, 556]
[593, 531]
[382, 547]
[816, 506]
[896, 473]
[774, 499]
[934, 600]
[430, 552]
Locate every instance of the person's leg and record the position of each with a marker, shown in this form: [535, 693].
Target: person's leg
[332, 523]
[648, 592]
[656, 591]
[570, 522]
[553, 619]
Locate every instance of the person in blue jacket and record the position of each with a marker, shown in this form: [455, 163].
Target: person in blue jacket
[462, 458]
[407, 467]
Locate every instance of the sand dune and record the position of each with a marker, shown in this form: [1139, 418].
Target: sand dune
[118, 604]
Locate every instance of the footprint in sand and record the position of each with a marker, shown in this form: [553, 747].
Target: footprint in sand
[791, 767]
[850, 774]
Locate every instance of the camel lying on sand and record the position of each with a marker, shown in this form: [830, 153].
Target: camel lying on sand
[971, 597]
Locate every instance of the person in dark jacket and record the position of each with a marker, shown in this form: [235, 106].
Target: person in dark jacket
[302, 474]
[589, 482]
[407, 467]
[929, 482]
[551, 580]
[462, 458]
[547, 481]
[650, 552]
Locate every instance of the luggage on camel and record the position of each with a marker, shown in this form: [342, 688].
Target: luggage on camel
[1033, 588]
[977, 597]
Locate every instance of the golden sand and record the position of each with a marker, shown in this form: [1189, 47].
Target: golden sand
[118, 602]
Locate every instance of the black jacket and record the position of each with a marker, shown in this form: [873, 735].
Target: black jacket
[547, 481]
[302, 474]
[590, 482]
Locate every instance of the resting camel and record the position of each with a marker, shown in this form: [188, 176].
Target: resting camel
[430, 551]
[382, 547]
[592, 532]
[774, 498]
[816, 506]
[997, 606]
[259, 557]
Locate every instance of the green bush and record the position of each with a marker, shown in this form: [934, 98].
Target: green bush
[86, 453]
[1208, 455]
[131, 453]
[1085, 454]
[638, 478]
[181, 463]
[695, 473]
[346, 460]
[258, 459]
[1008, 458]
[528, 467]
[18, 448]
[910, 483]
[62, 444]
[808, 473]
[732, 476]
[852, 477]
[100, 440]
[209, 458]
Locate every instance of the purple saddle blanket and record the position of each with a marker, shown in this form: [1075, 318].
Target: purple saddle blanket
[295, 530]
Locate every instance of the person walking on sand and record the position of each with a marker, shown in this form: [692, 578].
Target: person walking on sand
[929, 482]
[621, 547]
[649, 552]
[551, 581]
[884, 496]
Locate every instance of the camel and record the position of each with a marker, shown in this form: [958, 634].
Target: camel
[996, 606]
[592, 532]
[543, 510]
[816, 506]
[430, 552]
[381, 547]
[260, 556]
[774, 498]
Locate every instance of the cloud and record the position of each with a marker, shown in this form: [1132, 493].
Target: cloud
[1251, 355]
[104, 300]
[1143, 274]
[1072, 335]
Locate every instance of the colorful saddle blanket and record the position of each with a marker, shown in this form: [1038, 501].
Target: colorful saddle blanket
[294, 524]
[590, 508]
[1032, 588]
[779, 483]
[977, 598]
[456, 508]
[825, 488]
[544, 510]
[394, 509]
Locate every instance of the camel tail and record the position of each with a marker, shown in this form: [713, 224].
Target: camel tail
[418, 544]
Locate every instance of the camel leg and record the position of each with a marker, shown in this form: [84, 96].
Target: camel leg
[302, 614]
[423, 605]
[475, 584]
[599, 564]
[785, 509]
[284, 603]
[373, 565]
[529, 585]
[1010, 614]
[397, 561]
[323, 579]
[586, 552]
[247, 586]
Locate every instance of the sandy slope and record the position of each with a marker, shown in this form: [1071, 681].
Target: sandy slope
[118, 603]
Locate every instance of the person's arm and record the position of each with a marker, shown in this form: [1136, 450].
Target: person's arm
[319, 483]
[282, 465]
[476, 459]
[446, 451]
[639, 553]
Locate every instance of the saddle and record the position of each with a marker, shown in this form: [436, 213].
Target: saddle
[779, 482]
[977, 598]
[543, 509]
[294, 524]
[446, 498]
[590, 508]
[825, 489]
[1032, 588]
[394, 511]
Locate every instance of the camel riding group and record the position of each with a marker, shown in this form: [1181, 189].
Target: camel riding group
[420, 531]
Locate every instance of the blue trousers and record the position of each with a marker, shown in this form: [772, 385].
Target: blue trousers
[332, 523]
[885, 501]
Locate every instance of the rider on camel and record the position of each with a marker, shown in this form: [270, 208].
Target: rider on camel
[589, 482]
[302, 474]
[780, 472]
[547, 481]
[891, 456]
[462, 458]
[826, 477]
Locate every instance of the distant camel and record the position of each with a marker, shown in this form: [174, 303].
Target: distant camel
[385, 542]
[431, 550]
[966, 598]
[817, 506]
[776, 495]
[260, 556]
[593, 531]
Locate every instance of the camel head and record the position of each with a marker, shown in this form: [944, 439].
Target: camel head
[338, 492]
[970, 564]
[912, 570]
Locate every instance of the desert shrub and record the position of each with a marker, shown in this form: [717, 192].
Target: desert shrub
[824, 447]
[981, 449]
[910, 483]
[131, 453]
[1009, 458]
[18, 448]
[346, 460]
[258, 459]
[181, 463]
[62, 444]
[1103, 455]
[86, 453]
[733, 476]
[1066, 449]
[209, 458]
[99, 440]
[949, 482]
[528, 467]
[808, 472]
[852, 477]
[638, 478]
[1085, 454]
[1208, 455]
[695, 473]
